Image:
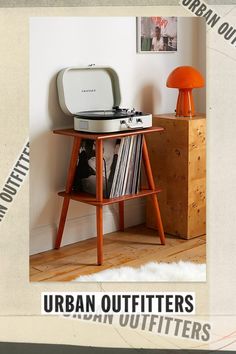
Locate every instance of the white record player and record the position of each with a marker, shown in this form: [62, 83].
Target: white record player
[92, 96]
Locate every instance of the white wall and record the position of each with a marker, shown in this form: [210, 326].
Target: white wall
[60, 42]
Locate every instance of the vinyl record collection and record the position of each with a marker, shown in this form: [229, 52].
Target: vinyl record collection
[121, 167]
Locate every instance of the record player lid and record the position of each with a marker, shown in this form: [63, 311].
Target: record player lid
[88, 88]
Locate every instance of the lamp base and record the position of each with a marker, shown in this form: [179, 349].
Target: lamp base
[185, 104]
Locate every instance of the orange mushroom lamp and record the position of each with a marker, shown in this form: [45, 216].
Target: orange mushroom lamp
[185, 78]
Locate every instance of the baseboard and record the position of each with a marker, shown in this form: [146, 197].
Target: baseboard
[42, 238]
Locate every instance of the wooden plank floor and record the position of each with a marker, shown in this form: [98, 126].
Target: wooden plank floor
[134, 247]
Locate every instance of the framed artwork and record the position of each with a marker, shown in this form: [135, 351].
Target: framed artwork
[157, 34]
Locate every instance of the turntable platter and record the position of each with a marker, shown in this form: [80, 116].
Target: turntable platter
[101, 114]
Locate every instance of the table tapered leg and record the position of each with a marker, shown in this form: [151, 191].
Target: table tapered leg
[121, 216]
[151, 185]
[64, 211]
[69, 184]
[99, 235]
[99, 197]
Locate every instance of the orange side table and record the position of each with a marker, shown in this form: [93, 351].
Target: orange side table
[98, 201]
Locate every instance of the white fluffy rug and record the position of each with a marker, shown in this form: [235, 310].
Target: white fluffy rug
[151, 272]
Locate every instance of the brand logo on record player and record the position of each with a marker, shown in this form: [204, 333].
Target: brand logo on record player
[88, 90]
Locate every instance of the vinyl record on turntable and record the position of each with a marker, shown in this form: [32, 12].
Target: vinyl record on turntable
[105, 114]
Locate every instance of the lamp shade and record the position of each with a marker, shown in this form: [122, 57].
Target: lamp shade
[185, 78]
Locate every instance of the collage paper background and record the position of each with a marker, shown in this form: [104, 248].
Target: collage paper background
[20, 319]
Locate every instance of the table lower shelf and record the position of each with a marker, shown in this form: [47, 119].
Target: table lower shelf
[91, 199]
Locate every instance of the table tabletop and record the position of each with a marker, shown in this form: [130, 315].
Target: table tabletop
[103, 136]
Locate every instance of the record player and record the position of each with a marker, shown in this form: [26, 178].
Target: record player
[92, 96]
